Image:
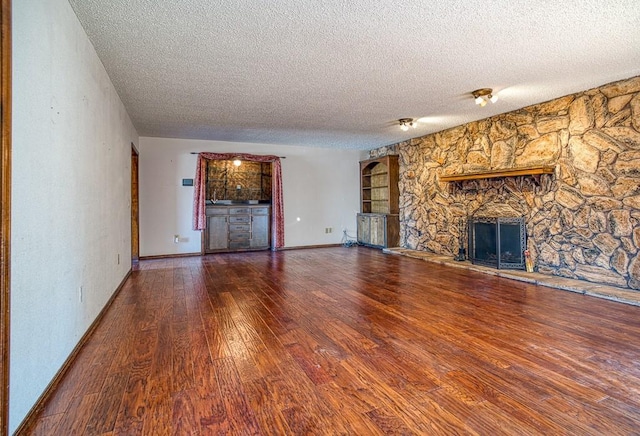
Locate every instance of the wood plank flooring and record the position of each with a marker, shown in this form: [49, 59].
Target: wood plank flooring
[350, 341]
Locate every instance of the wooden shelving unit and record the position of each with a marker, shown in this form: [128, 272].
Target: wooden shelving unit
[379, 185]
[378, 222]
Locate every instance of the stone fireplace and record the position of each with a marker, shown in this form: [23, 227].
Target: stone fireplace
[497, 242]
[582, 222]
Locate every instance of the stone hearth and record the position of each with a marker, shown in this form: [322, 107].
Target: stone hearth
[620, 295]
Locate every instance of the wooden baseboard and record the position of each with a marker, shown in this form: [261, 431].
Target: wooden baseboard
[170, 256]
[29, 420]
[303, 247]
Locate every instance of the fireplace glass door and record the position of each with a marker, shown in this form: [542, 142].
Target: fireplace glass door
[497, 242]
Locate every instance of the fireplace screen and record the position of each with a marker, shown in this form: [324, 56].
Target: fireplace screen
[497, 242]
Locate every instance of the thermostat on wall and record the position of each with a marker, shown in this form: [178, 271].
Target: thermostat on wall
[187, 182]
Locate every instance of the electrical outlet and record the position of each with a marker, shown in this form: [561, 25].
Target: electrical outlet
[330, 229]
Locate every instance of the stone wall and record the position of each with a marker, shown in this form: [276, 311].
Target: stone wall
[223, 178]
[582, 222]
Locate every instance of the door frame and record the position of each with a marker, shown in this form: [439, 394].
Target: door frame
[135, 207]
[5, 213]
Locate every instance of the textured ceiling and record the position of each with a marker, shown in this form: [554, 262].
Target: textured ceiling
[337, 73]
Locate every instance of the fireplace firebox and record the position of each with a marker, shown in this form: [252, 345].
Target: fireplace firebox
[497, 242]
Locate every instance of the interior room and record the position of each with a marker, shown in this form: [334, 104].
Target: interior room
[320, 217]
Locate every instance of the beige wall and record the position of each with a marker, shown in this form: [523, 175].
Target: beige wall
[320, 187]
[71, 194]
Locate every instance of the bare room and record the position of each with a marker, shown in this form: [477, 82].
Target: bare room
[300, 217]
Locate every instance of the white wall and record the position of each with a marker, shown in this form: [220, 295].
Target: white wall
[71, 194]
[320, 186]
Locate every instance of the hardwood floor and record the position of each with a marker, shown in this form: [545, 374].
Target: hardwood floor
[348, 341]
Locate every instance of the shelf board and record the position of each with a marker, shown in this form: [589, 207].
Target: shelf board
[530, 171]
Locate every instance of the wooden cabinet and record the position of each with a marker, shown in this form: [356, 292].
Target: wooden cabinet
[259, 228]
[378, 222]
[378, 230]
[235, 227]
[216, 233]
[239, 227]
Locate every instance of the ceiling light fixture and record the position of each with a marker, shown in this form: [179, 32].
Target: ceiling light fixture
[483, 95]
[405, 123]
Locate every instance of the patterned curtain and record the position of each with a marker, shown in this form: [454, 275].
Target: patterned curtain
[277, 205]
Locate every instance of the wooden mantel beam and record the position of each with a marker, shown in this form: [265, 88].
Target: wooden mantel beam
[530, 171]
